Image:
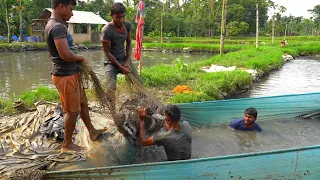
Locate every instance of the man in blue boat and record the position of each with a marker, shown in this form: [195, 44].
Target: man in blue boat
[65, 72]
[175, 137]
[247, 123]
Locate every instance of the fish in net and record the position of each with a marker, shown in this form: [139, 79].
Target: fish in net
[134, 96]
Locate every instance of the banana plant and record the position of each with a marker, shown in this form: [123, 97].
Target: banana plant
[182, 67]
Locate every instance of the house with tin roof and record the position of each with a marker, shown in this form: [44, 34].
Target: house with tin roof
[79, 25]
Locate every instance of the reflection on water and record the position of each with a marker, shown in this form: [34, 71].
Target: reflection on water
[23, 71]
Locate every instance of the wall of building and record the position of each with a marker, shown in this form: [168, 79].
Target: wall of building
[80, 38]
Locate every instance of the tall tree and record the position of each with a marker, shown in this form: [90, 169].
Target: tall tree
[20, 19]
[223, 25]
[8, 6]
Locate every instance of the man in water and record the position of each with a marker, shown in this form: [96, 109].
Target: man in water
[247, 123]
[176, 137]
[65, 72]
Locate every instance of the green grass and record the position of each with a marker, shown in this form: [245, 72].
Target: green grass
[218, 85]
[192, 47]
[233, 40]
[21, 46]
[42, 93]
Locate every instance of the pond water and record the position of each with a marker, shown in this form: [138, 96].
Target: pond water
[219, 140]
[301, 75]
[24, 71]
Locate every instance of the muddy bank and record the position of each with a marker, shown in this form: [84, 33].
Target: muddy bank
[20, 47]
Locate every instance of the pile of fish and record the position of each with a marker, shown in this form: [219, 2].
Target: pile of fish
[129, 120]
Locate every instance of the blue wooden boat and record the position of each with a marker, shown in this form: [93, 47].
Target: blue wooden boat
[294, 163]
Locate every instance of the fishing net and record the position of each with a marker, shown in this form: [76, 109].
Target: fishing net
[30, 142]
[132, 95]
[25, 148]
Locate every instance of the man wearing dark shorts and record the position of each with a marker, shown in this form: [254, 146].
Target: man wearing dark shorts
[65, 72]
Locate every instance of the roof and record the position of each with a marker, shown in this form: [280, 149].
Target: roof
[84, 17]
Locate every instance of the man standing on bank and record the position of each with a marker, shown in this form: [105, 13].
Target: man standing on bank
[65, 72]
[114, 36]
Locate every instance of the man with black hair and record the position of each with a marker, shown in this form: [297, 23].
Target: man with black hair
[176, 137]
[117, 57]
[65, 72]
[247, 123]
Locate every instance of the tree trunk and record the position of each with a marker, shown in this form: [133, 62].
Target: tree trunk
[257, 25]
[8, 23]
[161, 34]
[285, 31]
[273, 30]
[20, 17]
[223, 25]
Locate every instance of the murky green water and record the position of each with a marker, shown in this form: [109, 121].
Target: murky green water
[24, 71]
[301, 75]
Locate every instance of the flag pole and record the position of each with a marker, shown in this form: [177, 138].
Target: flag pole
[140, 62]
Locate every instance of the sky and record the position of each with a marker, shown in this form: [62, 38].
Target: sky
[298, 7]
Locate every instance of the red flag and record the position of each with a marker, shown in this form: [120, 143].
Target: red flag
[137, 52]
[139, 33]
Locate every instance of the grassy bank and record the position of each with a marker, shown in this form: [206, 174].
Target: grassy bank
[192, 47]
[233, 40]
[25, 46]
[29, 98]
[211, 86]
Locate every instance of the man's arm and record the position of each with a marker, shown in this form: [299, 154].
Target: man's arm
[65, 53]
[144, 142]
[128, 49]
[106, 49]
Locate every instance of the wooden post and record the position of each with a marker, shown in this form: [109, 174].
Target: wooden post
[257, 25]
[140, 62]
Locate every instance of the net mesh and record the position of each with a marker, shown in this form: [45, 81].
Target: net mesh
[123, 110]
[26, 152]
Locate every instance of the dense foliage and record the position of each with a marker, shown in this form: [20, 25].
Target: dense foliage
[186, 18]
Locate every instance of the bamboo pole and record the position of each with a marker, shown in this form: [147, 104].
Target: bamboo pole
[257, 25]
[140, 62]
